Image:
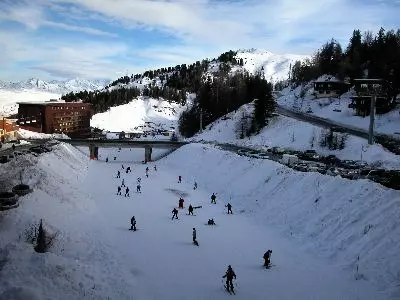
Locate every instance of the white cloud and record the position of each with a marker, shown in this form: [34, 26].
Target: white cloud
[203, 28]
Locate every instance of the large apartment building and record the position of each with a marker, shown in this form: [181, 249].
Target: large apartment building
[70, 118]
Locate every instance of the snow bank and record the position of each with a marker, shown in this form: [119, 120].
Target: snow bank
[75, 268]
[26, 134]
[328, 216]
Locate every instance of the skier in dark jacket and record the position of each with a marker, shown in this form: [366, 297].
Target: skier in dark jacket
[174, 214]
[179, 179]
[213, 198]
[118, 174]
[229, 206]
[106, 159]
[195, 185]
[191, 210]
[155, 168]
[128, 169]
[127, 192]
[138, 188]
[123, 167]
[180, 202]
[229, 275]
[133, 224]
[211, 222]
[119, 190]
[267, 258]
[194, 235]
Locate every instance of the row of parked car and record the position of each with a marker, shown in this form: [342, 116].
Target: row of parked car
[35, 150]
[311, 161]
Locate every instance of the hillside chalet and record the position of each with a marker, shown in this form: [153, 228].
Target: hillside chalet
[361, 103]
[8, 130]
[330, 86]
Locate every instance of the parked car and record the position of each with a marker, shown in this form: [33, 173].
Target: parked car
[4, 159]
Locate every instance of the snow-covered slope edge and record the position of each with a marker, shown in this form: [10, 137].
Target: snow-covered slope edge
[79, 256]
[328, 216]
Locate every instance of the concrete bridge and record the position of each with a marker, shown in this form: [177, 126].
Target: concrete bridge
[95, 144]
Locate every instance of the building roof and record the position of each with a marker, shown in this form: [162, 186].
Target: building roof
[368, 80]
[49, 103]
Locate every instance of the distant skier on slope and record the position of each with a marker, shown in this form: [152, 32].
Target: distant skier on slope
[123, 182]
[179, 179]
[211, 222]
[155, 168]
[123, 167]
[194, 235]
[213, 198]
[195, 185]
[133, 224]
[174, 213]
[267, 258]
[180, 202]
[139, 180]
[118, 174]
[190, 210]
[119, 191]
[106, 159]
[229, 206]
[138, 188]
[127, 192]
[128, 169]
[229, 275]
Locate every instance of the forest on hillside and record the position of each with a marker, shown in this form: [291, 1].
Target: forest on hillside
[378, 54]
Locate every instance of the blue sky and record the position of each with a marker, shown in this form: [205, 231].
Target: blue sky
[61, 39]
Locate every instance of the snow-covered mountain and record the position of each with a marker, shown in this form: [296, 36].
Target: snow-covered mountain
[54, 86]
[275, 67]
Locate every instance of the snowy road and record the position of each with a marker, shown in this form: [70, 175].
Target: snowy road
[160, 261]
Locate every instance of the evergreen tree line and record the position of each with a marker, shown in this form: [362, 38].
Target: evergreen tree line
[222, 94]
[379, 54]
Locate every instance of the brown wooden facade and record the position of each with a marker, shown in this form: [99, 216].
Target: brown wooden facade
[70, 118]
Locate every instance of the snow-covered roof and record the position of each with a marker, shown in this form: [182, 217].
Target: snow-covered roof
[327, 78]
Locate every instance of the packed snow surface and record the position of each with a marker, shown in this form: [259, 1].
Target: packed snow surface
[316, 226]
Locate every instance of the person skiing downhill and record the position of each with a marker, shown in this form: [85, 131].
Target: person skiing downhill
[229, 275]
[123, 167]
[127, 192]
[180, 202]
[190, 210]
[267, 258]
[123, 182]
[139, 180]
[119, 191]
[155, 168]
[229, 206]
[174, 213]
[138, 188]
[106, 159]
[118, 174]
[147, 172]
[133, 224]
[194, 235]
[195, 185]
[179, 179]
[213, 198]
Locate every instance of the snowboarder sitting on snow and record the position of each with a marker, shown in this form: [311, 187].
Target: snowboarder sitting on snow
[213, 197]
[133, 224]
[118, 174]
[267, 257]
[127, 192]
[179, 179]
[191, 210]
[174, 214]
[181, 202]
[229, 275]
[211, 222]
[194, 234]
[119, 190]
[229, 206]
